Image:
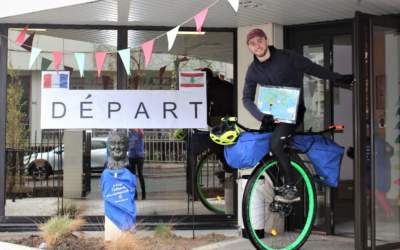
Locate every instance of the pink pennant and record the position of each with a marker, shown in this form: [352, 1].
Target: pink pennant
[57, 55]
[147, 48]
[199, 18]
[21, 37]
[100, 57]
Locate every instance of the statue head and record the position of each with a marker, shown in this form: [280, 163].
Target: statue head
[117, 147]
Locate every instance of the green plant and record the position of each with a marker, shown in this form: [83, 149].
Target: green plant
[163, 231]
[72, 211]
[16, 132]
[59, 227]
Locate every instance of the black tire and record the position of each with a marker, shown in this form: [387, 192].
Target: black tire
[209, 183]
[297, 228]
[40, 173]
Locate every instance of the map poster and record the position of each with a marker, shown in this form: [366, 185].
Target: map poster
[281, 102]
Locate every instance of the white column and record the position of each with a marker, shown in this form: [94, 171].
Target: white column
[275, 36]
[73, 164]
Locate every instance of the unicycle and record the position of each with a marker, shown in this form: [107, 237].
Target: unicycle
[284, 225]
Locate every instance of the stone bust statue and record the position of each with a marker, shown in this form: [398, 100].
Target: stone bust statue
[117, 147]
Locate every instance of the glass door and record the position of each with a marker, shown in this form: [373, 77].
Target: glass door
[385, 122]
[377, 154]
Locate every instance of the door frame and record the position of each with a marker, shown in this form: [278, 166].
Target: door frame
[295, 37]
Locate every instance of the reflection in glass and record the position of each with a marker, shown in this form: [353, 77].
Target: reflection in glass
[314, 90]
[386, 89]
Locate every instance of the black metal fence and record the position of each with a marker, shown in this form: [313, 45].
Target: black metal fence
[35, 168]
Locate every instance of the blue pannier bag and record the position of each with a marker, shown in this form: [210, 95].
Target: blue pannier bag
[249, 149]
[325, 155]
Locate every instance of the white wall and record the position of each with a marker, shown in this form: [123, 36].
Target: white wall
[275, 35]
[73, 164]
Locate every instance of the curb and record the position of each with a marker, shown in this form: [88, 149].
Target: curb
[10, 246]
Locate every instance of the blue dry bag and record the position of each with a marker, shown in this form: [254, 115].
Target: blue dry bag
[250, 148]
[325, 155]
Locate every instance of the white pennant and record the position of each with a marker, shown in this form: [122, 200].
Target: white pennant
[234, 4]
[34, 54]
[171, 35]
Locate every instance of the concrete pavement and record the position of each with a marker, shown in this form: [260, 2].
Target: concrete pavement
[315, 242]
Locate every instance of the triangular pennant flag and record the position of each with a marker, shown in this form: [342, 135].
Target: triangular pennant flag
[57, 55]
[125, 55]
[34, 54]
[234, 4]
[147, 48]
[171, 35]
[28, 43]
[80, 60]
[199, 18]
[21, 36]
[70, 69]
[45, 64]
[100, 57]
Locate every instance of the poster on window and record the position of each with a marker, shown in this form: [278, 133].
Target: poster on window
[62, 108]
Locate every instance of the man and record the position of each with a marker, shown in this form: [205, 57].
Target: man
[136, 156]
[285, 68]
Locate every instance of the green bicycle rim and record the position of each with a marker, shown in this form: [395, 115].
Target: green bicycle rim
[310, 215]
[203, 199]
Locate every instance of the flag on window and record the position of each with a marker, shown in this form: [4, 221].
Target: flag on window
[192, 79]
[52, 79]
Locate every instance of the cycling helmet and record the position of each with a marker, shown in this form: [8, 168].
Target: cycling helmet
[180, 134]
[226, 133]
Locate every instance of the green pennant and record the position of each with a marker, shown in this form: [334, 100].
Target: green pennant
[45, 64]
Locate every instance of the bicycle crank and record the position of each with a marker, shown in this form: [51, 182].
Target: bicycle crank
[278, 207]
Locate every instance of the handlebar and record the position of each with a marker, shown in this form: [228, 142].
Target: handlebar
[335, 128]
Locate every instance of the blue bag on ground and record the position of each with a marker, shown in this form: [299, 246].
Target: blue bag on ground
[250, 148]
[325, 155]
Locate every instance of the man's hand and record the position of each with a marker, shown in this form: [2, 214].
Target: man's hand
[267, 122]
[345, 81]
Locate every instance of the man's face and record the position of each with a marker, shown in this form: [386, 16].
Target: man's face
[258, 46]
[118, 148]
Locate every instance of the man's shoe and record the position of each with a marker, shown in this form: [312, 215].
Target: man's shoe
[287, 194]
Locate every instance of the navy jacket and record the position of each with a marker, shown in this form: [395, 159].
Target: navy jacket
[283, 68]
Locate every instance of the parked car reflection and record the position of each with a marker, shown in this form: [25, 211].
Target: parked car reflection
[40, 165]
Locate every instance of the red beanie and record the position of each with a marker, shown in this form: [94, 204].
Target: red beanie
[255, 33]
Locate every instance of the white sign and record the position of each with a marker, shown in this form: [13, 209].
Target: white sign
[76, 109]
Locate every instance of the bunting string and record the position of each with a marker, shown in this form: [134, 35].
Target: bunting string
[146, 47]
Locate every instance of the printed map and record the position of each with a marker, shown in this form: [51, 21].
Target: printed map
[279, 102]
